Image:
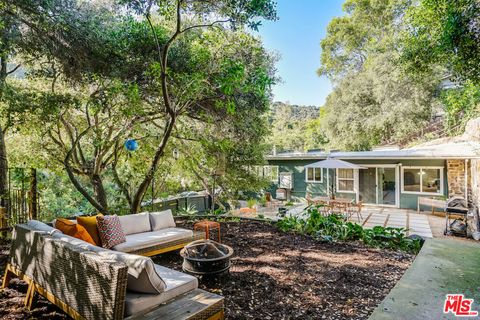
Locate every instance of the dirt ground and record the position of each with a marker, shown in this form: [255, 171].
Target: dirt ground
[274, 275]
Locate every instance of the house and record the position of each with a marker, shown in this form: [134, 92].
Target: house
[390, 177]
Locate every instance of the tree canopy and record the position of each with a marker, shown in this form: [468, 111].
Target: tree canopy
[443, 33]
[173, 74]
[373, 101]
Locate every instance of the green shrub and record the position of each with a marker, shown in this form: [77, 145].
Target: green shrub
[191, 210]
[251, 203]
[262, 201]
[335, 228]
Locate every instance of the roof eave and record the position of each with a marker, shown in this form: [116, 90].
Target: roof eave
[372, 158]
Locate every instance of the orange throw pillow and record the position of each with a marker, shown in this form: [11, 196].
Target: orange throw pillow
[90, 223]
[74, 230]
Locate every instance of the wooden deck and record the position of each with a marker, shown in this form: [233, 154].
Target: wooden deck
[195, 305]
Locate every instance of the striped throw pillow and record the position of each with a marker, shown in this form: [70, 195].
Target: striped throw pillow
[110, 230]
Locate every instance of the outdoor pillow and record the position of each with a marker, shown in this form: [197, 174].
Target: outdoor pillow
[73, 229]
[90, 224]
[110, 230]
[135, 223]
[161, 220]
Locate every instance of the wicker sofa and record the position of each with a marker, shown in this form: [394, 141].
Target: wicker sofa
[152, 233]
[89, 282]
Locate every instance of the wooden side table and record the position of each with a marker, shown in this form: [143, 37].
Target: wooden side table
[207, 226]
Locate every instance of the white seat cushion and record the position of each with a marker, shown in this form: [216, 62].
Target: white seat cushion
[144, 240]
[161, 220]
[177, 283]
[135, 223]
[142, 275]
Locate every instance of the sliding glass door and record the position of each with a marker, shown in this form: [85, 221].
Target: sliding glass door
[367, 185]
[387, 186]
[378, 185]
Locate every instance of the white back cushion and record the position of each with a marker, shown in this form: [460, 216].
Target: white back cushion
[135, 223]
[161, 220]
[142, 275]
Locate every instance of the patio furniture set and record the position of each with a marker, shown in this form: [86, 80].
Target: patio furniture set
[345, 207]
[90, 282]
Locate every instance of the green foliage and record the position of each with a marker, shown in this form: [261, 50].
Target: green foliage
[295, 127]
[251, 203]
[367, 28]
[218, 212]
[461, 105]
[377, 104]
[191, 210]
[262, 201]
[334, 228]
[237, 13]
[373, 101]
[443, 33]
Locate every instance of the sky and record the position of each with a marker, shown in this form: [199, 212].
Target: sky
[296, 38]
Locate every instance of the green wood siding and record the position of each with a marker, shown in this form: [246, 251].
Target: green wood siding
[301, 187]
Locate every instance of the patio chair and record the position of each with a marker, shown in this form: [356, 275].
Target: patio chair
[355, 208]
[270, 202]
[324, 208]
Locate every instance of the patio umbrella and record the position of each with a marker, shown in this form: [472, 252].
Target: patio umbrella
[331, 163]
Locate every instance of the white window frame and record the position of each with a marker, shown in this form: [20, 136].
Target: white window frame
[354, 179]
[421, 168]
[313, 181]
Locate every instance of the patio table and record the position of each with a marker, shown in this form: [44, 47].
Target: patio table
[434, 203]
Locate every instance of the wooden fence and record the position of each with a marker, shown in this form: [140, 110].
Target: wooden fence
[22, 201]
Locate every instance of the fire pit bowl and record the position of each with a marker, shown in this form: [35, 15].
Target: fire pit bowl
[206, 257]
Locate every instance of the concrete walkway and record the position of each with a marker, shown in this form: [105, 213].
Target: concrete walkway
[443, 266]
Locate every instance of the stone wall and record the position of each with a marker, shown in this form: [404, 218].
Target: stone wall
[474, 195]
[472, 133]
[456, 177]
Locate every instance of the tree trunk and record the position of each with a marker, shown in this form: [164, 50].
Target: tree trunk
[33, 194]
[138, 197]
[3, 148]
[3, 171]
[99, 191]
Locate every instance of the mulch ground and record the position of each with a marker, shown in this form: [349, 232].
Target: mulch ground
[274, 275]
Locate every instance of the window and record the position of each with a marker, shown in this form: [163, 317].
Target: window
[313, 174]
[286, 180]
[428, 180]
[271, 173]
[345, 180]
[267, 172]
